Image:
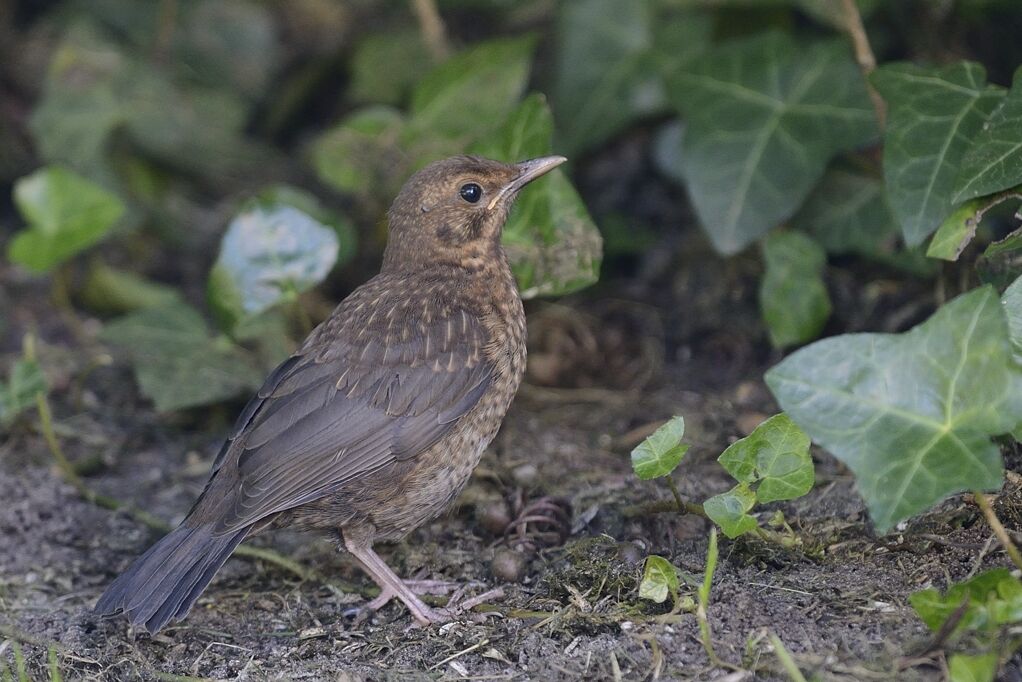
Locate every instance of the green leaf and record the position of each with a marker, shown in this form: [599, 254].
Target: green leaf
[848, 213]
[552, 243]
[660, 453]
[285, 195]
[659, 579]
[775, 454]
[406, 59]
[607, 71]
[764, 117]
[359, 154]
[973, 667]
[112, 290]
[730, 510]
[911, 414]
[994, 161]
[270, 253]
[177, 363]
[934, 115]
[65, 213]
[471, 93]
[792, 295]
[19, 394]
[1012, 302]
[992, 599]
[959, 228]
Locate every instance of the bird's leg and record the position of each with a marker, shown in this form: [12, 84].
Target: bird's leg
[392, 586]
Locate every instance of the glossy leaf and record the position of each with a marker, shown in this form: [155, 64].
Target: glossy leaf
[776, 456]
[934, 116]
[270, 253]
[764, 116]
[659, 580]
[959, 228]
[552, 243]
[792, 294]
[994, 161]
[65, 214]
[911, 414]
[993, 599]
[661, 452]
[730, 510]
[177, 363]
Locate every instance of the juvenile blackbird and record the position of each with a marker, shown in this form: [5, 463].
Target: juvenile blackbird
[374, 425]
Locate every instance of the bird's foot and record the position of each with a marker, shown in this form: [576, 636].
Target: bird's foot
[456, 609]
[423, 614]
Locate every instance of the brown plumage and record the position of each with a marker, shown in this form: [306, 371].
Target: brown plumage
[374, 425]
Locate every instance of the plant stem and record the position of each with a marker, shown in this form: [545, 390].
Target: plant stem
[677, 495]
[995, 525]
[864, 55]
[433, 32]
[679, 506]
[786, 660]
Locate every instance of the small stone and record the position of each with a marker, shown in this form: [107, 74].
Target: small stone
[508, 565]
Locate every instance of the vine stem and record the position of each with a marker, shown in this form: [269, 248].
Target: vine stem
[433, 32]
[995, 525]
[864, 55]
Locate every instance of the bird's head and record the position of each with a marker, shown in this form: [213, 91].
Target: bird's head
[454, 210]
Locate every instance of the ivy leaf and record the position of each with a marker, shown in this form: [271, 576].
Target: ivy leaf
[361, 154]
[552, 243]
[407, 60]
[112, 290]
[764, 117]
[660, 453]
[659, 579]
[730, 510]
[776, 455]
[177, 362]
[959, 228]
[848, 212]
[474, 91]
[994, 161]
[973, 667]
[66, 214]
[911, 414]
[19, 394]
[934, 116]
[270, 253]
[792, 295]
[993, 598]
[1012, 302]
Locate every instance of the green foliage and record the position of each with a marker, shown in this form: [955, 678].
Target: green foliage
[935, 114]
[659, 580]
[660, 453]
[1012, 302]
[911, 414]
[65, 213]
[112, 290]
[178, 362]
[764, 116]
[19, 393]
[270, 253]
[991, 600]
[775, 459]
[792, 296]
[973, 668]
[994, 161]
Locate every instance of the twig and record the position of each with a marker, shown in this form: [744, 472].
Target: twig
[433, 32]
[864, 55]
[995, 525]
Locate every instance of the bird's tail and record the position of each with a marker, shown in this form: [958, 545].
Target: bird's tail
[164, 582]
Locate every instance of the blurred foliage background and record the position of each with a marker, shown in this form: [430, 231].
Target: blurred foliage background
[186, 171]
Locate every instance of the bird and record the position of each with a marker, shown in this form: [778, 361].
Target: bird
[374, 425]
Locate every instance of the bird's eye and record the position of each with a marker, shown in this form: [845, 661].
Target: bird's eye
[471, 192]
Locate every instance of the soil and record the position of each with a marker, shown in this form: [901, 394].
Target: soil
[675, 335]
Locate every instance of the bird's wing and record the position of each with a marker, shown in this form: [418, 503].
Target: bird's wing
[368, 395]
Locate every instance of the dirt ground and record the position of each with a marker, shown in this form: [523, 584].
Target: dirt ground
[679, 336]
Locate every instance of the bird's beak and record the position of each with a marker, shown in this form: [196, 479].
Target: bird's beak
[527, 172]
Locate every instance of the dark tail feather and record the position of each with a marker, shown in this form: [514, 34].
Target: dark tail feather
[164, 582]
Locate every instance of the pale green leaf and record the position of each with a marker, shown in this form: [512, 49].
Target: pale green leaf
[19, 393]
[911, 414]
[776, 455]
[659, 580]
[65, 214]
[973, 667]
[792, 294]
[960, 227]
[764, 116]
[1012, 302]
[934, 115]
[360, 154]
[661, 452]
[994, 161]
[112, 290]
[270, 253]
[993, 598]
[177, 363]
[730, 510]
